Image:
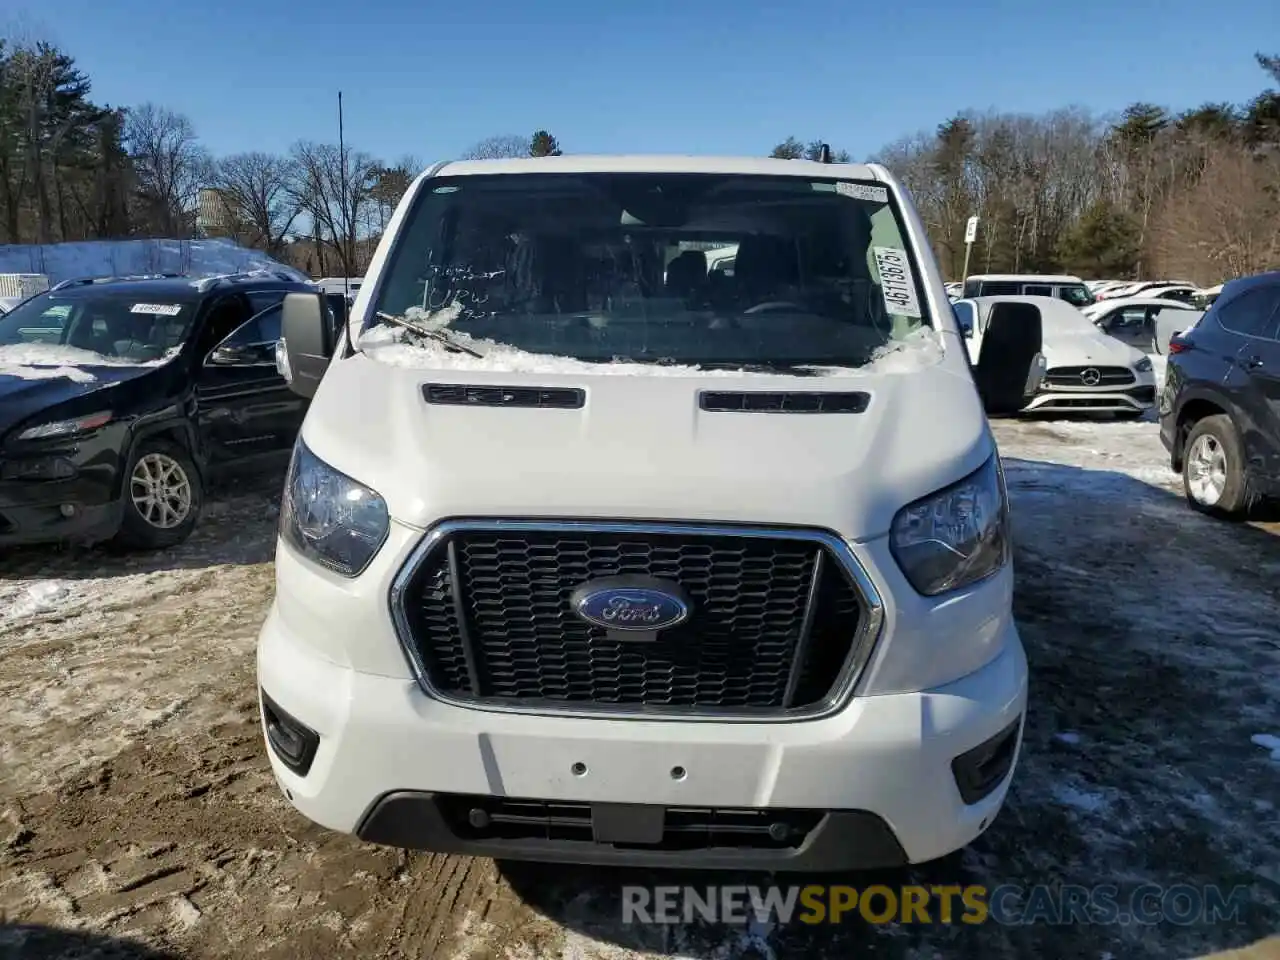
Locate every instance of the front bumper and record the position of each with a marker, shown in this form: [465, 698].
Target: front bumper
[389, 761]
[49, 511]
[1136, 399]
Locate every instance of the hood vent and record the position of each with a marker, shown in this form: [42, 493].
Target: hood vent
[471, 395]
[790, 402]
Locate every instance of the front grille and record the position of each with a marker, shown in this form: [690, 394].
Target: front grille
[777, 620]
[1081, 403]
[684, 828]
[1073, 377]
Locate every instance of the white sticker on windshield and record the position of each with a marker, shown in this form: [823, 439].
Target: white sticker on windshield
[861, 191]
[163, 309]
[896, 283]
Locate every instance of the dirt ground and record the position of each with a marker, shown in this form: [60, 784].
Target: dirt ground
[138, 817]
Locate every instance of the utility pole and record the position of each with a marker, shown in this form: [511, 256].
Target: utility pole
[346, 228]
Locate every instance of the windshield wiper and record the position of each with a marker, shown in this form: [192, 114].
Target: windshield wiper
[438, 336]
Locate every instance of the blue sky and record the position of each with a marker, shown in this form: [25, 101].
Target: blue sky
[678, 76]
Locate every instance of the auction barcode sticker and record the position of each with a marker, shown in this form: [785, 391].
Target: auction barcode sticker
[162, 309]
[862, 191]
[896, 283]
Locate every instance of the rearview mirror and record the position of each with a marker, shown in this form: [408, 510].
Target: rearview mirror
[1011, 351]
[307, 341]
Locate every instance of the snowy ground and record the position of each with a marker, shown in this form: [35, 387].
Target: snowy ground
[135, 800]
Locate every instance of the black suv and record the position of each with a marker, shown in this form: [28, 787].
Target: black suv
[1220, 407]
[120, 396]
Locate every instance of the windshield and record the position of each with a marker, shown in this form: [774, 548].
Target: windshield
[1077, 295]
[94, 328]
[686, 269]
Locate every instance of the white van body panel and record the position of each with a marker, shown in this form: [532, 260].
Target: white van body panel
[945, 674]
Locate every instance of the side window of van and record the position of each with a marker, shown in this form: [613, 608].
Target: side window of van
[1000, 288]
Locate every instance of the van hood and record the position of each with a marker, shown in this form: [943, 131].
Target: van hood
[1078, 349]
[641, 448]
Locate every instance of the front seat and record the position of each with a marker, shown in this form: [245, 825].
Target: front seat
[687, 275]
[765, 270]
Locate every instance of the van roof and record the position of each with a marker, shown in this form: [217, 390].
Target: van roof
[1024, 278]
[585, 163]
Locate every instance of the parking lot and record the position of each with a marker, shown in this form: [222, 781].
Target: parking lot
[136, 803]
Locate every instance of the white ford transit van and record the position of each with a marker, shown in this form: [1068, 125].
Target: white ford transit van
[590, 552]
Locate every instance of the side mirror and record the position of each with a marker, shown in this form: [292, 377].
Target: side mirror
[1010, 358]
[225, 357]
[307, 342]
[250, 355]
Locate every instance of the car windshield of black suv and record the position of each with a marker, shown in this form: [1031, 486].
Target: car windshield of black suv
[735, 271]
[86, 329]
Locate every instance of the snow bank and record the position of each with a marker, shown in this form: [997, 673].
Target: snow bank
[397, 347]
[118, 258]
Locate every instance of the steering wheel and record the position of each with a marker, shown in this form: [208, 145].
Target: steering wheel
[770, 306]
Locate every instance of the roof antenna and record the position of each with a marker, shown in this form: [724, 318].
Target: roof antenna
[824, 153]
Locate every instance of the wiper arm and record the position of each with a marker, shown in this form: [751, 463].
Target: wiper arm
[439, 337]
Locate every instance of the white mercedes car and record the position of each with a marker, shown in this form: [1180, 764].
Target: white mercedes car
[1088, 371]
[1147, 322]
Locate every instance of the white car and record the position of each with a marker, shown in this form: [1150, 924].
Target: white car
[578, 566]
[1147, 323]
[1087, 371]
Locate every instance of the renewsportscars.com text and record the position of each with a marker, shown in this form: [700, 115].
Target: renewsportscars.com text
[1007, 904]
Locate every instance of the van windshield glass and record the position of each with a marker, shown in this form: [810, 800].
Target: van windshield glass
[699, 269]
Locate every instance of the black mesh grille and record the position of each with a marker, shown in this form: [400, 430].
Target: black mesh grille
[490, 618]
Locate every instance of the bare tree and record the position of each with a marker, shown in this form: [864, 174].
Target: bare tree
[1227, 224]
[169, 164]
[258, 193]
[319, 187]
[498, 148]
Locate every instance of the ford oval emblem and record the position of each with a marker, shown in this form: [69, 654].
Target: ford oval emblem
[631, 603]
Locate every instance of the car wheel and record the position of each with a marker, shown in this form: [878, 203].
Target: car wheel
[162, 497]
[1213, 469]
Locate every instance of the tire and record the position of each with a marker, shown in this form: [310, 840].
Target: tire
[149, 505]
[1213, 476]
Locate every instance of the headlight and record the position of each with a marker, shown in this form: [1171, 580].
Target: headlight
[1143, 365]
[330, 518]
[957, 536]
[66, 428]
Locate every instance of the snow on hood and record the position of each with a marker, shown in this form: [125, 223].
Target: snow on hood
[43, 361]
[397, 346]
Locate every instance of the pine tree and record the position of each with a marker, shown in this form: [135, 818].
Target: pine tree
[544, 144]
